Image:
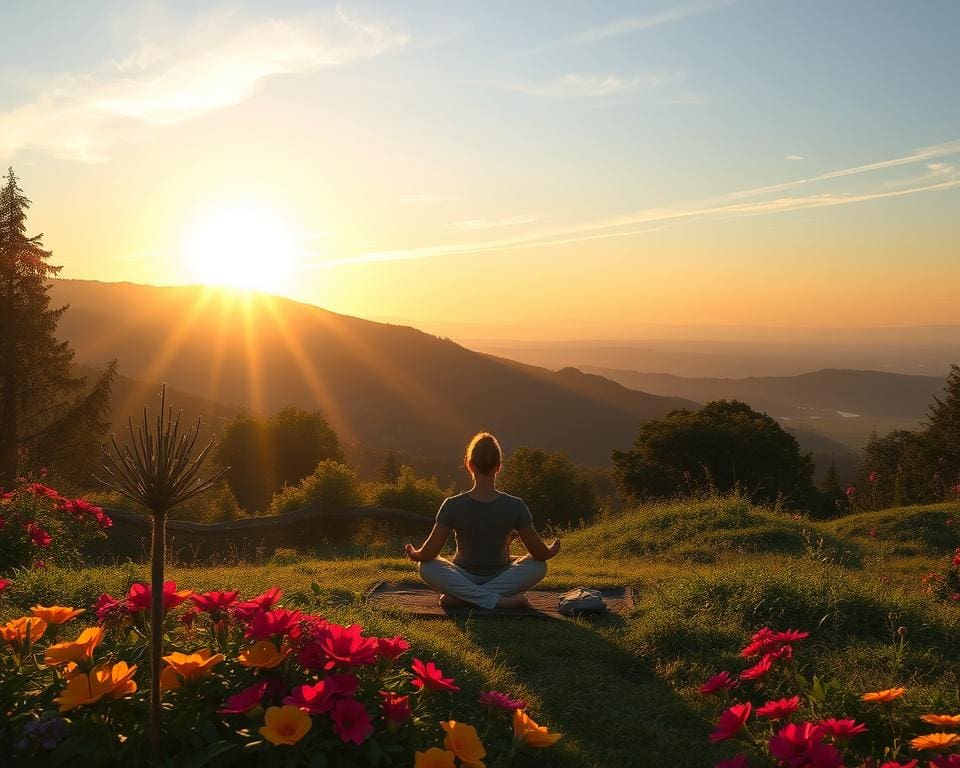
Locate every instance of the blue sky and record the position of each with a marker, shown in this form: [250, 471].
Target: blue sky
[567, 145]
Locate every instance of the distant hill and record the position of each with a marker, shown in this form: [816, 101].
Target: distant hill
[384, 386]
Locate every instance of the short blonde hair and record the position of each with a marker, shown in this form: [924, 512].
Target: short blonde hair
[483, 454]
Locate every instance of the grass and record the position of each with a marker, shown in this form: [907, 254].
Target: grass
[707, 574]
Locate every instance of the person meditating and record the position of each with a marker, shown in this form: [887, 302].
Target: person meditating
[484, 520]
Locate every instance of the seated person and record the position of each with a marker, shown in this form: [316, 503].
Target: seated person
[484, 521]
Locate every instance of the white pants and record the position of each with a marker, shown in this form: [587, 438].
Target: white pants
[449, 579]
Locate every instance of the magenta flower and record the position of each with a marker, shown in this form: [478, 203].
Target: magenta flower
[722, 681]
[346, 646]
[392, 648]
[215, 603]
[430, 677]
[779, 710]
[798, 745]
[740, 761]
[842, 730]
[396, 708]
[351, 721]
[242, 702]
[759, 670]
[138, 599]
[731, 722]
[314, 699]
[245, 610]
[497, 700]
[279, 621]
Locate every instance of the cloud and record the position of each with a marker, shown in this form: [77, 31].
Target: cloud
[219, 61]
[576, 86]
[510, 221]
[942, 177]
[794, 157]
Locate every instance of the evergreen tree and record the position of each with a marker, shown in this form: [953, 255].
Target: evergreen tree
[42, 407]
[943, 429]
[831, 481]
[390, 471]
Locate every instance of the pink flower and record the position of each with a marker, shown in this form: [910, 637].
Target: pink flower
[346, 646]
[139, 597]
[719, 682]
[779, 710]
[44, 491]
[430, 677]
[38, 535]
[731, 722]
[760, 643]
[851, 491]
[842, 730]
[392, 648]
[81, 508]
[790, 636]
[801, 746]
[740, 761]
[343, 685]
[956, 558]
[874, 478]
[214, 603]
[266, 624]
[314, 699]
[759, 670]
[911, 764]
[4, 583]
[242, 702]
[109, 609]
[944, 761]
[245, 610]
[497, 700]
[396, 708]
[351, 721]
[189, 617]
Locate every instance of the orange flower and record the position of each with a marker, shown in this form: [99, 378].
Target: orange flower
[937, 742]
[19, 631]
[882, 697]
[169, 679]
[285, 725]
[463, 741]
[190, 667]
[262, 655]
[434, 758]
[527, 732]
[943, 721]
[103, 680]
[55, 614]
[79, 651]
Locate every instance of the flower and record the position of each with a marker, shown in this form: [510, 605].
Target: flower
[731, 722]
[214, 603]
[245, 610]
[463, 741]
[790, 636]
[190, 667]
[243, 701]
[527, 732]
[779, 710]
[38, 535]
[851, 491]
[351, 721]
[285, 725]
[759, 670]
[844, 730]
[895, 764]
[434, 758]
[395, 708]
[740, 761]
[345, 646]
[942, 761]
[943, 721]
[80, 651]
[885, 696]
[497, 700]
[760, 643]
[81, 508]
[873, 478]
[936, 742]
[343, 685]
[430, 677]
[4, 583]
[55, 614]
[89, 688]
[391, 648]
[262, 655]
[267, 624]
[139, 597]
[314, 699]
[26, 629]
[110, 610]
[722, 681]
[802, 745]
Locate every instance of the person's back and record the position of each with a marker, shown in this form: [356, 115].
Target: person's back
[484, 530]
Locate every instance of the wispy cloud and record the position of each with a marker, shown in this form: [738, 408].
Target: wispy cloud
[509, 221]
[937, 177]
[577, 86]
[219, 61]
[794, 157]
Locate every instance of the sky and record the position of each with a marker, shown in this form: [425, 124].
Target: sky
[505, 164]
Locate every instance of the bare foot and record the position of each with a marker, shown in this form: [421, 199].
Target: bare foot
[513, 601]
[448, 601]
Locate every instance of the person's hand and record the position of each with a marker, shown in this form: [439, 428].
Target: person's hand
[411, 552]
[554, 547]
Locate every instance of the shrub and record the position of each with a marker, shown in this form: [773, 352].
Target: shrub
[408, 491]
[555, 489]
[330, 485]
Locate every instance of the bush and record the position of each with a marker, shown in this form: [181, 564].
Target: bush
[219, 506]
[330, 485]
[409, 492]
[555, 489]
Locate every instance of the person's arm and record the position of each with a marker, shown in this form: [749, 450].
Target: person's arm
[538, 549]
[431, 547]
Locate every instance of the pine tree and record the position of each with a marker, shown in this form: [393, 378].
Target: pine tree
[42, 407]
[831, 481]
[390, 471]
[942, 434]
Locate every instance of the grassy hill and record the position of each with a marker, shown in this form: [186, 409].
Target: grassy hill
[385, 386]
[707, 574]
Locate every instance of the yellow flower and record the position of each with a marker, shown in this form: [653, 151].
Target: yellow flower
[943, 721]
[79, 651]
[527, 732]
[434, 758]
[463, 741]
[18, 631]
[935, 741]
[262, 655]
[285, 725]
[882, 697]
[55, 614]
[88, 689]
[192, 666]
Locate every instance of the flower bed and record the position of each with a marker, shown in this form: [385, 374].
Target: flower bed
[244, 682]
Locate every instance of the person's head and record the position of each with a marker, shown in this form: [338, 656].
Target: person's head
[483, 456]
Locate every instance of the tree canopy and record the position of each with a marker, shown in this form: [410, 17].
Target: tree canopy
[555, 489]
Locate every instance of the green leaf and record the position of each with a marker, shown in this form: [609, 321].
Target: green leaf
[204, 756]
[818, 691]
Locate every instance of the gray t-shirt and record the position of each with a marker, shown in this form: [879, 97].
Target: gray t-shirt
[483, 530]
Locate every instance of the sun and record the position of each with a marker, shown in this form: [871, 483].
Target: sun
[241, 245]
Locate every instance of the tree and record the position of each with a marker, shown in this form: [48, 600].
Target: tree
[555, 489]
[390, 471]
[831, 480]
[42, 408]
[724, 445]
[943, 430]
[266, 454]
